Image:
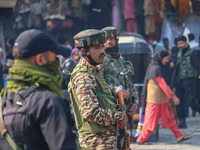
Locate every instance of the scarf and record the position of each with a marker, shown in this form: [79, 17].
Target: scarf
[113, 52]
[23, 74]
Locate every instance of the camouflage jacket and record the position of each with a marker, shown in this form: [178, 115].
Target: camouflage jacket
[111, 69]
[84, 85]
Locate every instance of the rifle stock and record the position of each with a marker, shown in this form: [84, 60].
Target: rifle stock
[123, 142]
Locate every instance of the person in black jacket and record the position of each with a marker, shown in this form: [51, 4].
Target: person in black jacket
[186, 75]
[195, 57]
[34, 113]
[66, 68]
[170, 67]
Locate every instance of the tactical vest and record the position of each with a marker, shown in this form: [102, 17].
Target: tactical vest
[105, 97]
[185, 69]
[113, 76]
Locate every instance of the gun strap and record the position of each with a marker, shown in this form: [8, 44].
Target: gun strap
[4, 131]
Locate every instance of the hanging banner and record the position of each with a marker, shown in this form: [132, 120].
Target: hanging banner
[7, 3]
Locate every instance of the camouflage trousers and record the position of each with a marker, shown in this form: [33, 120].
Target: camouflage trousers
[105, 140]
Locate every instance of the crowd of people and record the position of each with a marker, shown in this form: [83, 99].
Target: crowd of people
[59, 98]
[182, 75]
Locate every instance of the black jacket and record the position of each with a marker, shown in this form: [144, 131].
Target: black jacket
[195, 57]
[42, 122]
[68, 65]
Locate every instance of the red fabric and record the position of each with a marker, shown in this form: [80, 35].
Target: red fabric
[131, 25]
[129, 16]
[163, 85]
[129, 9]
[152, 114]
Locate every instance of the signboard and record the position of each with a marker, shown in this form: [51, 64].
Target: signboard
[7, 3]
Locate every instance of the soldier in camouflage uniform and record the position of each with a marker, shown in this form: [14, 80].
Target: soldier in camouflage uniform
[114, 64]
[94, 103]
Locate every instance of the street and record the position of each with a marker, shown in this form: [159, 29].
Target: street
[167, 140]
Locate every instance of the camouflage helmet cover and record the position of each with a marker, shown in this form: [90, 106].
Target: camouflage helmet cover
[111, 31]
[88, 38]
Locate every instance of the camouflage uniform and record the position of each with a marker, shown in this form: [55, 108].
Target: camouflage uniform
[95, 114]
[113, 65]
[111, 69]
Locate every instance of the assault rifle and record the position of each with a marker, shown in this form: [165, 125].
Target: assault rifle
[128, 102]
[123, 139]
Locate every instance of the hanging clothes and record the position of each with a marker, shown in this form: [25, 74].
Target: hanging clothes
[129, 16]
[149, 10]
[184, 7]
[139, 13]
[115, 13]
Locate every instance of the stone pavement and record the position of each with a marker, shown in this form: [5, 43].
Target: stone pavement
[167, 140]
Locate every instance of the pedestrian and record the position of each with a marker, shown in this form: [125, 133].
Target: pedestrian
[33, 113]
[94, 104]
[186, 75]
[166, 45]
[75, 54]
[66, 69]
[159, 46]
[195, 57]
[157, 93]
[192, 43]
[170, 69]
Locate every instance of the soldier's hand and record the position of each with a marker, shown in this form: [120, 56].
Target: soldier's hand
[176, 100]
[132, 110]
[126, 94]
[122, 124]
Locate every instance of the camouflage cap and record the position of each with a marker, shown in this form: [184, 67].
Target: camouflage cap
[111, 31]
[88, 38]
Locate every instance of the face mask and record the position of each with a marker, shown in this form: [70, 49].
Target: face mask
[52, 68]
[112, 51]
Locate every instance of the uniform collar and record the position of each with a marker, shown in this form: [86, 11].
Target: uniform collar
[89, 66]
